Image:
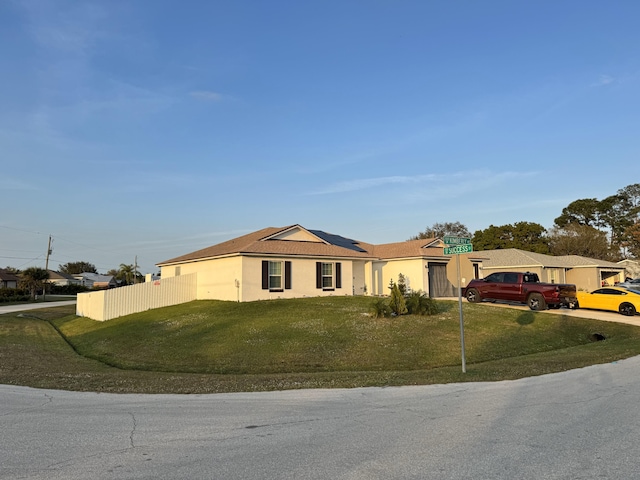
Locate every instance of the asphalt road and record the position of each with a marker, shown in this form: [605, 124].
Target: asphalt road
[34, 306]
[582, 424]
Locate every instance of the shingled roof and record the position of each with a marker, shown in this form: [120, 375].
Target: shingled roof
[512, 257]
[325, 245]
[8, 277]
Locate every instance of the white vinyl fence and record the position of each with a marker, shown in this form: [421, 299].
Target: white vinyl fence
[104, 305]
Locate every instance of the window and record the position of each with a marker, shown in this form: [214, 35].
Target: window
[608, 291]
[328, 275]
[495, 278]
[510, 278]
[276, 275]
[177, 272]
[530, 278]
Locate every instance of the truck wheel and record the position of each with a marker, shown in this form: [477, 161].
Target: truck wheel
[536, 302]
[473, 296]
[627, 309]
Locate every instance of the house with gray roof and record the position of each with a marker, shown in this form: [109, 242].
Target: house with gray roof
[95, 280]
[584, 272]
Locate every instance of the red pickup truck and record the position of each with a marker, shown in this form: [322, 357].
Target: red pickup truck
[521, 288]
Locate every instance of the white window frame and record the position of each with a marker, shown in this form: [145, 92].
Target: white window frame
[328, 276]
[276, 275]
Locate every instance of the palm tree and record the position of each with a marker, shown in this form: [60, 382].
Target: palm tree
[33, 279]
[126, 273]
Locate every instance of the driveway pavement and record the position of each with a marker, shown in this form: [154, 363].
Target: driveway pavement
[580, 312]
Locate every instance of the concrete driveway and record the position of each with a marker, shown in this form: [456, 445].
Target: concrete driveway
[579, 312]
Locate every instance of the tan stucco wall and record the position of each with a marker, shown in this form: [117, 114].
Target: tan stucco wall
[216, 278]
[303, 279]
[467, 271]
[584, 278]
[590, 278]
[414, 271]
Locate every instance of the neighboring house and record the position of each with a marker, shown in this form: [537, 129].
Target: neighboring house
[95, 280]
[586, 273]
[8, 280]
[631, 267]
[293, 262]
[61, 278]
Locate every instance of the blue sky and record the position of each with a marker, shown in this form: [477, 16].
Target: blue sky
[153, 128]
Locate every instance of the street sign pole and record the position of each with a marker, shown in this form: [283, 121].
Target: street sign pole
[464, 362]
[456, 246]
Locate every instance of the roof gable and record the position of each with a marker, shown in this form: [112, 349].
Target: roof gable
[295, 233]
[55, 275]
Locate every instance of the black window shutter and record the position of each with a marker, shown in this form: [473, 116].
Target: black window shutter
[338, 275]
[265, 275]
[287, 275]
[318, 274]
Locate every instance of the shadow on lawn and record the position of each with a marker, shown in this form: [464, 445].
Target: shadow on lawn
[526, 318]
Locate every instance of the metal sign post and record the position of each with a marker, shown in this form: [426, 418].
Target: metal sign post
[464, 362]
[456, 246]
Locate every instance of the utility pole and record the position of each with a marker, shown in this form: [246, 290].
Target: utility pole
[46, 267]
[135, 270]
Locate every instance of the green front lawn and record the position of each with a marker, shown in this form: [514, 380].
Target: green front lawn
[214, 346]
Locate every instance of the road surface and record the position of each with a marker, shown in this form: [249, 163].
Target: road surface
[582, 424]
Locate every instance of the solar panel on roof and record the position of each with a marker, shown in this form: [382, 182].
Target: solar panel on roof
[338, 241]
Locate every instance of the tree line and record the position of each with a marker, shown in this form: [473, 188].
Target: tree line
[607, 229]
[35, 279]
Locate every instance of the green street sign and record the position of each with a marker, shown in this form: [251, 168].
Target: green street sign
[458, 249]
[456, 241]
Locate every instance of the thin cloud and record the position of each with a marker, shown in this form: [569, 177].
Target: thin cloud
[365, 183]
[207, 96]
[441, 185]
[69, 28]
[603, 80]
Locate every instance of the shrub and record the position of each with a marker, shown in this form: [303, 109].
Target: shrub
[68, 289]
[13, 295]
[396, 302]
[380, 308]
[418, 303]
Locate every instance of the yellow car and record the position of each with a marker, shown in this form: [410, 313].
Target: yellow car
[617, 299]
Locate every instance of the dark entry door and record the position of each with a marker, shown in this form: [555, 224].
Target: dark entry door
[439, 284]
